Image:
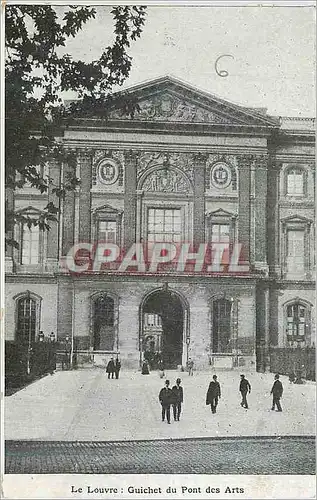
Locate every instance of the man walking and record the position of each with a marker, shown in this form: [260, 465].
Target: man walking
[213, 394]
[165, 398]
[277, 391]
[244, 388]
[190, 366]
[117, 368]
[110, 368]
[177, 399]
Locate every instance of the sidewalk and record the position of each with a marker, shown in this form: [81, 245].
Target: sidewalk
[84, 405]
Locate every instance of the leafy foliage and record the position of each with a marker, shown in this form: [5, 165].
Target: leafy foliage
[37, 72]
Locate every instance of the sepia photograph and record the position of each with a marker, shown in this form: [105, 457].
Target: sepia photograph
[158, 260]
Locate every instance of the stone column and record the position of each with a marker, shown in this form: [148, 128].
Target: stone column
[260, 222]
[244, 163]
[68, 211]
[85, 164]
[199, 199]
[130, 197]
[53, 233]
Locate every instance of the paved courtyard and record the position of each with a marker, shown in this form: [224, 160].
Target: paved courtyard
[185, 456]
[84, 405]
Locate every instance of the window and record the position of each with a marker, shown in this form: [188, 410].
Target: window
[26, 320]
[107, 224]
[107, 231]
[220, 233]
[103, 323]
[152, 320]
[295, 251]
[297, 323]
[221, 326]
[295, 182]
[164, 225]
[30, 245]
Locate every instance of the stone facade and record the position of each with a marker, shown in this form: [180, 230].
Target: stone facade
[206, 165]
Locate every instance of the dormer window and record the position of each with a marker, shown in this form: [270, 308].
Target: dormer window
[295, 182]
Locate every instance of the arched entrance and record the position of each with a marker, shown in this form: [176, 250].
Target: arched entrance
[164, 328]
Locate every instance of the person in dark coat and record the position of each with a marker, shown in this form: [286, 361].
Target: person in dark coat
[145, 368]
[277, 391]
[244, 388]
[190, 366]
[213, 394]
[178, 397]
[166, 398]
[110, 368]
[117, 368]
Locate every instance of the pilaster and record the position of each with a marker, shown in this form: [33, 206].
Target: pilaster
[130, 197]
[260, 222]
[199, 199]
[9, 206]
[85, 165]
[68, 211]
[244, 163]
[52, 253]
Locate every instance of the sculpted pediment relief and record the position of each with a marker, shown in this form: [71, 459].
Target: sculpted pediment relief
[170, 108]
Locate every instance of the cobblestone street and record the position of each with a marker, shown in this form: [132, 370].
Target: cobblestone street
[201, 456]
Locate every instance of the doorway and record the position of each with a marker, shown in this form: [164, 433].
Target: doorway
[163, 324]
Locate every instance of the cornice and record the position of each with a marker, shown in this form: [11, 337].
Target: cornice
[170, 127]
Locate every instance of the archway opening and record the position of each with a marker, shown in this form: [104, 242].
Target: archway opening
[163, 328]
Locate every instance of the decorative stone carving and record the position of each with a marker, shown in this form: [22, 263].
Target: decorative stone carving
[104, 162]
[220, 175]
[170, 108]
[108, 171]
[167, 181]
[183, 161]
[221, 171]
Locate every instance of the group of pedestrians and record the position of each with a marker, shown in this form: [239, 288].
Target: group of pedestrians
[113, 368]
[174, 397]
[171, 397]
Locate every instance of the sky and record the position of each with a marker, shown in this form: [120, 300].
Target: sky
[272, 49]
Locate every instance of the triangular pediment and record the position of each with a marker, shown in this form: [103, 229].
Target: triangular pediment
[170, 100]
[107, 210]
[220, 213]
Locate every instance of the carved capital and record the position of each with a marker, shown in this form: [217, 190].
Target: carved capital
[200, 158]
[261, 161]
[85, 154]
[131, 156]
[245, 161]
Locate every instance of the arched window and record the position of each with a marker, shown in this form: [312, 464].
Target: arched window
[297, 323]
[221, 325]
[27, 318]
